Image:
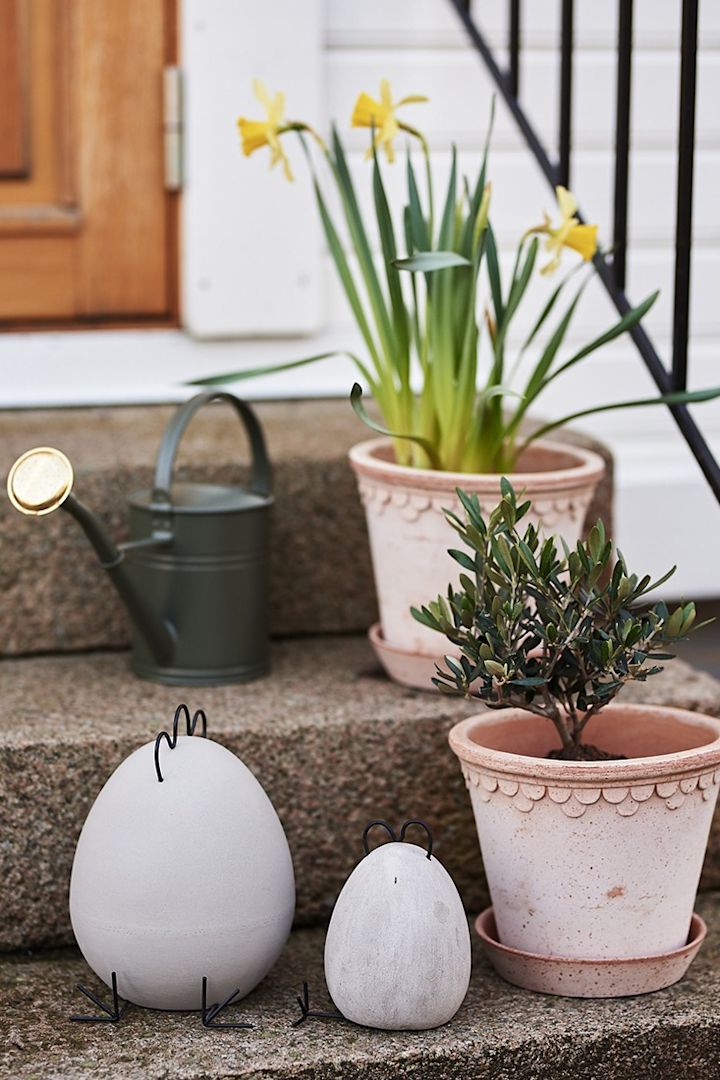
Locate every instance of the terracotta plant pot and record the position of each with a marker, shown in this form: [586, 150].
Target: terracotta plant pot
[594, 861]
[409, 536]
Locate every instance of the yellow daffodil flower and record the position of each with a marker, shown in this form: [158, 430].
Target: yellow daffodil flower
[257, 133]
[381, 115]
[569, 233]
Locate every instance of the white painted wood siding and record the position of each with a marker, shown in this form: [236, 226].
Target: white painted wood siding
[279, 300]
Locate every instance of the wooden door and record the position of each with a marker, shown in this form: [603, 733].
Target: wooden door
[87, 229]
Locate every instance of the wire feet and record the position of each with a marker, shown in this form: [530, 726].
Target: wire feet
[210, 1012]
[306, 1011]
[110, 1016]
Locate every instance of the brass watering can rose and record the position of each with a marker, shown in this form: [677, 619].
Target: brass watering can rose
[40, 481]
[194, 574]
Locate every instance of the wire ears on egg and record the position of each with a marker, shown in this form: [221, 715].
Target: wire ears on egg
[190, 725]
[423, 825]
[383, 824]
[393, 837]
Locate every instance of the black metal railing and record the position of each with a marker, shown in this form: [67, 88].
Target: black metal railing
[612, 269]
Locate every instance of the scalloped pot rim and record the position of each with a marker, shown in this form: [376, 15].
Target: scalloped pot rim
[547, 770]
[588, 468]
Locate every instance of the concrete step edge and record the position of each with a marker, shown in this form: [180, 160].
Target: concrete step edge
[334, 743]
[499, 1033]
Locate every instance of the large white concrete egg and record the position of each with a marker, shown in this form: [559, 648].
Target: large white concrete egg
[182, 879]
[397, 952]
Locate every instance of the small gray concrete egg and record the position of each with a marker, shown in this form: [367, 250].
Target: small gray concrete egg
[182, 879]
[397, 952]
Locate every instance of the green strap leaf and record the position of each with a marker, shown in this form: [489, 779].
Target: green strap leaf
[494, 275]
[517, 290]
[389, 249]
[273, 369]
[362, 247]
[630, 319]
[415, 318]
[546, 311]
[497, 391]
[540, 377]
[475, 198]
[358, 406]
[345, 275]
[427, 261]
[447, 223]
[342, 265]
[678, 397]
[418, 224]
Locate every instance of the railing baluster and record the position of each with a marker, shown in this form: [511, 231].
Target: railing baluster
[501, 81]
[683, 220]
[622, 140]
[566, 65]
[662, 378]
[514, 47]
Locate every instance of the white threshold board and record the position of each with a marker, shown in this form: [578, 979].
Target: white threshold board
[141, 367]
[665, 512]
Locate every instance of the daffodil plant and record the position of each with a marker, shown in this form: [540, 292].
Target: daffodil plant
[449, 401]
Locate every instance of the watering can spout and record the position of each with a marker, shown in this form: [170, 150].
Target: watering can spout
[41, 482]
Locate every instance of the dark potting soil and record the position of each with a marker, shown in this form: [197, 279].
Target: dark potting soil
[585, 752]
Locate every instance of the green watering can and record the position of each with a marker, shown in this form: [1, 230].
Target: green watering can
[194, 575]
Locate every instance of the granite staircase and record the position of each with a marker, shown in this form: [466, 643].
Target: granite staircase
[333, 743]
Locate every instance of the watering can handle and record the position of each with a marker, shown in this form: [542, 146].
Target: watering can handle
[261, 475]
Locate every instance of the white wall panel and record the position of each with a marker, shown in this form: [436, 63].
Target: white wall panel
[407, 24]
[251, 241]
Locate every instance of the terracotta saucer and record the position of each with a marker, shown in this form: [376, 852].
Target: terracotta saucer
[408, 668]
[570, 977]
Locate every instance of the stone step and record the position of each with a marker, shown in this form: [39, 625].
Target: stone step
[55, 598]
[500, 1032]
[334, 743]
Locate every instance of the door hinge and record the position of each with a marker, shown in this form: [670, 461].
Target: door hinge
[173, 127]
